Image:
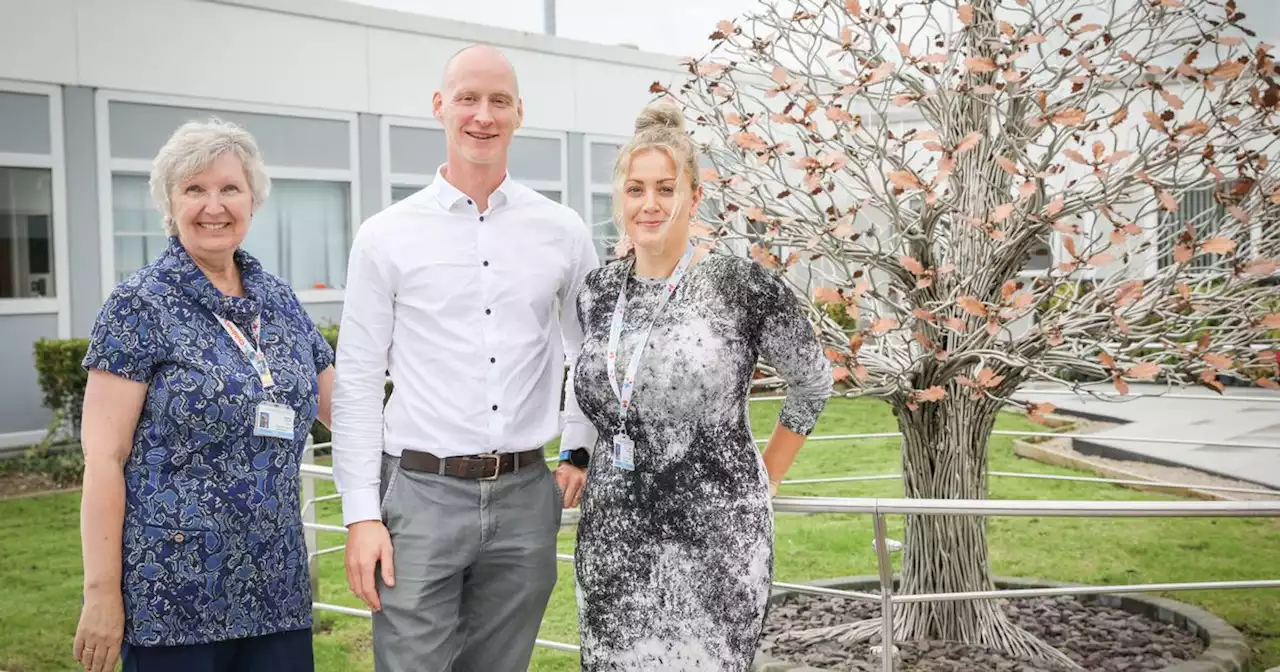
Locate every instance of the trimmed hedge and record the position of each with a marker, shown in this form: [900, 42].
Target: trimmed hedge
[61, 379]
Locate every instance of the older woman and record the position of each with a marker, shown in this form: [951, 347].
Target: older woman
[675, 542]
[205, 376]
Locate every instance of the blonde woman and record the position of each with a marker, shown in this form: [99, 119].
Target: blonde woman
[675, 545]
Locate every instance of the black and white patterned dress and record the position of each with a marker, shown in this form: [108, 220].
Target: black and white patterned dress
[674, 560]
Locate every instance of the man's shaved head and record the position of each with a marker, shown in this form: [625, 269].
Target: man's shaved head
[478, 57]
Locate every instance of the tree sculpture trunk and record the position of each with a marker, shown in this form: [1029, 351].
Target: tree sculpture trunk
[944, 456]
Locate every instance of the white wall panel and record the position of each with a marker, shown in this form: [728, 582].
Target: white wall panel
[405, 69]
[182, 47]
[270, 52]
[38, 40]
[608, 97]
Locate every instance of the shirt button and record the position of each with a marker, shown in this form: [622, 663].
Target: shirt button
[493, 360]
[469, 202]
[179, 537]
[482, 218]
[495, 407]
[486, 263]
[487, 311]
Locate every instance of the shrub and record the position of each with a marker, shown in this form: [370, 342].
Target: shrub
[62, 380]
[839, 315]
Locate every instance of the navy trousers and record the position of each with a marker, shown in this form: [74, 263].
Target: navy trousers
[279, 652]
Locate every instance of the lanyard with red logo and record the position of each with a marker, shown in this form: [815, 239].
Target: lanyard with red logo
[251, 351]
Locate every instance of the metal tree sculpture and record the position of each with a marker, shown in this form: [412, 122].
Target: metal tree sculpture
[909, 162]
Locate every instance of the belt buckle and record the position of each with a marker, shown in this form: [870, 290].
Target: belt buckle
[497, 465]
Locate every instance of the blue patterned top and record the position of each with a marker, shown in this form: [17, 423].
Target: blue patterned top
[213, 540]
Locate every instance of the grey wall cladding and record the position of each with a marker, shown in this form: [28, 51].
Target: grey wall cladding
[20, 403]
[82, 208]
[370, 167]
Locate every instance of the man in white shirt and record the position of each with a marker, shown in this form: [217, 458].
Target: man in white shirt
[466, 293]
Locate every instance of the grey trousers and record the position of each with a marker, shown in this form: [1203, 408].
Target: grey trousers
[475, 563]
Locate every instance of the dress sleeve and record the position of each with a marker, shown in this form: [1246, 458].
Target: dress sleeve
[786, 340]
[125, 338]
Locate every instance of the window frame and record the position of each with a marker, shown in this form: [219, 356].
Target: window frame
[420, 180]
[109, 166]
[591, 188]
[55, 163]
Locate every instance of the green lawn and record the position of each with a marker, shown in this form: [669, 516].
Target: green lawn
[40, 562]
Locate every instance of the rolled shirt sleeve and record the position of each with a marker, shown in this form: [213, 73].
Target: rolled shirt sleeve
[578, 431]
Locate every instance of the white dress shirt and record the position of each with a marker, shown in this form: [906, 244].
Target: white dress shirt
[473, 315]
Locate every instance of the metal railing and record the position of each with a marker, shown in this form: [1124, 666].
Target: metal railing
[879, 508]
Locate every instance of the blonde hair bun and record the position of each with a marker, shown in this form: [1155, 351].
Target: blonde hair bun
[662, 114]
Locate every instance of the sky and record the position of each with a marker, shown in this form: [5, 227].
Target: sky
[673, 27]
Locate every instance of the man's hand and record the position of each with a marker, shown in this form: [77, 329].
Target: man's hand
[571, 480]
[368, 544]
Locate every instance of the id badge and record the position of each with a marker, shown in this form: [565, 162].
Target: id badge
[273, 420]
[624, 452]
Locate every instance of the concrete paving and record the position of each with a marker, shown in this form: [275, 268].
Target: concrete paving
[1206, 417]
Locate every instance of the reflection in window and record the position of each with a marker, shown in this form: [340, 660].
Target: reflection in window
[139, 233]
[603, 232]
[603, 157]
[26, 233]
[299, 234]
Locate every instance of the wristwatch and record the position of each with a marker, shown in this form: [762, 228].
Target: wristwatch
[578, 457]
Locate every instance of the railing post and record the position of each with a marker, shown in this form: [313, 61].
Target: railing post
[308, 497]
[886, 594]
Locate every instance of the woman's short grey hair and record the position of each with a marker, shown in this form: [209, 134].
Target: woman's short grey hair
[194, 147]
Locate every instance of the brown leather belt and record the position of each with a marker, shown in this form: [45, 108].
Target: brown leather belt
[485, 467]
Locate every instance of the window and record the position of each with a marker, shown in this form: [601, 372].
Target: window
[604, 233]
[399, 193]
[601, 156]
[416, 149]
[299, 234]
[32, 240]
[26, 233]
[138, 232]
[1208, 217]
[1265, 230]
